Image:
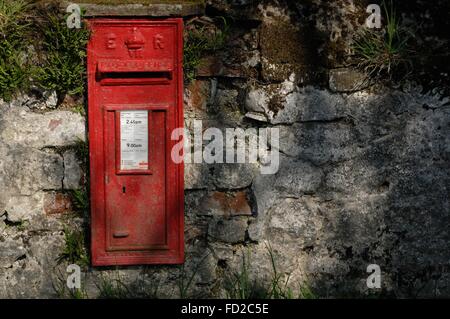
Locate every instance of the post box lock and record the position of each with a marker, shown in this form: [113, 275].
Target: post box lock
[134, 103]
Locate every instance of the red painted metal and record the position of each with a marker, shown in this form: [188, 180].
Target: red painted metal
[137, 214]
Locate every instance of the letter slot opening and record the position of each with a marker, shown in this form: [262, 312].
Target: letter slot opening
[120, 78]
[128, 72]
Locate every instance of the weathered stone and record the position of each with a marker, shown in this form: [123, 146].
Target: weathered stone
[56, 128]
[194, 231]
[206, 269]
[286, 103]
[222, 251]
[226, 204]
[347, 80]
[29, 275]
[42, 171]
[293, 179]
[233, 176]
[196, 98]
[317, 142]
[228, 230]
[36, 98]
[10, 252]
[225, 107]
[303, 223]
[256, 116]
[45, 223]
[296, 177]
[57, 203]
[356, 177]
[239, 9]
[51, 99]
[72, 171]
[196, 176]
[21, 208]
[310, 104]
[74, 103]
[257, 100]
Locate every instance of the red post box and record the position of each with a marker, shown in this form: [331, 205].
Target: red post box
[134, 102]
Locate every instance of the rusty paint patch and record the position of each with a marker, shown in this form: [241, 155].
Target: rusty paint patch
[57, 203]
[235, 204]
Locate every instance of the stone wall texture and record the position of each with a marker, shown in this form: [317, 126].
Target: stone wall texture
[364, 172]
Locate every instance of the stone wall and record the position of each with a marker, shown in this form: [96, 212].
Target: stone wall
[363, 176]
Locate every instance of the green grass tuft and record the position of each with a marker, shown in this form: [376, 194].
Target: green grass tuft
[382, 53]
[241, 285]
[198, 42]
[59, 283]
[80, 200]
[113, 289]
[74, 251]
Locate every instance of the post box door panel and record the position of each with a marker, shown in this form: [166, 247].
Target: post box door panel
[135, 90]
[135, 186]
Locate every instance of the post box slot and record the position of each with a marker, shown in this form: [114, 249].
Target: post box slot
[120, 78]
[136, 75]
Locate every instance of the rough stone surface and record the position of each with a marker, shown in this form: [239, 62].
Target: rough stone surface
[23, 207]
[52, 129]
[72, 171]
[195, 176]
[11, 251]
[363, 176]
[43, 170]
[32, 169]
[228, 230]
[347, 80]
[233, 176]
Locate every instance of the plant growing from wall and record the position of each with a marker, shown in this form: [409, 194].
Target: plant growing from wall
[113, 288]
[185, 280]
[117, 288]
[241, 285]
[80, 201]
[59, 283]
[200, 41]
[14, 25]
[64, 68]
[74, 251]
[384, 52]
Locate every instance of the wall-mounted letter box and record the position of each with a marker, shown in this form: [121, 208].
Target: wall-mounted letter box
[135, 101]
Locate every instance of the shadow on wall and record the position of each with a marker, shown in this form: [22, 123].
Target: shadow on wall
[370, 188]
[363, 180]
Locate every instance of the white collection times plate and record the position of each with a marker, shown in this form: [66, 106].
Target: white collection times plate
[134, 140]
